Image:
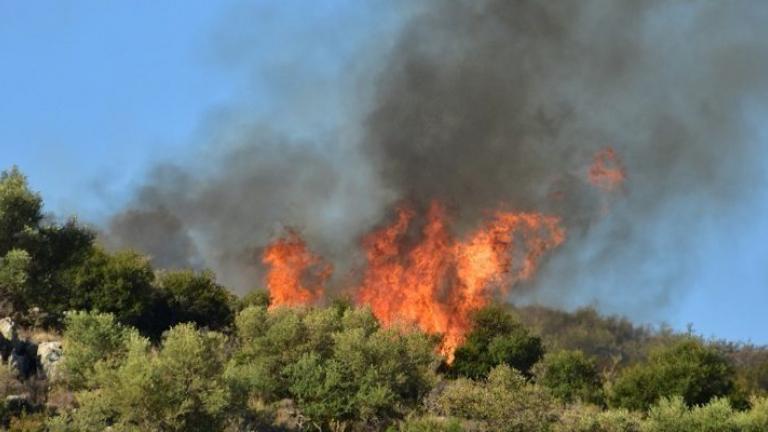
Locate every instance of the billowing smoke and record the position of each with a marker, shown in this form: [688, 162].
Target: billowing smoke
[499, 103]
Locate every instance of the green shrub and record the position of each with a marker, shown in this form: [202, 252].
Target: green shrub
[20, 209]
[570, 376]
[179, 388]
[502, 402]
[195, 297]
[590, 418]
[687, 368]
[496, 338]
[119, 284]
[430, 424]
[337, 364]
[90, 338]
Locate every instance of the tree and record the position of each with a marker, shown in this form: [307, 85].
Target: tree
[255, 297]
[571, 376]
[91, 338]
[20, 208]
[51, 248]
[496, 338]
[120, 284]
[504, 401]
[688, 368]
[14, 275]
[336, 363]
[196, 297]
[179, 388]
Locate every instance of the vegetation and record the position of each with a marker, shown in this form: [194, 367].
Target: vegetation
[151, 350]
[571, 376]
[497, 338]
[688, 369]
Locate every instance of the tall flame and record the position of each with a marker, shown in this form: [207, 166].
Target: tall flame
[433, 281]
[436, 282]
[296, 276]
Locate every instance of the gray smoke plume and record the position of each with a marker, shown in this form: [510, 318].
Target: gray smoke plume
[503, 103]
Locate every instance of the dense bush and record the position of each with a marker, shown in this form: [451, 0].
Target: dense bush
[120, 284]
[195, 297]
[336, 369]
[336, 363]
[502, 402]
[496, 338]
[179, 387]
[570, 376]
[20, 209]
[688, 368]
[90, 339]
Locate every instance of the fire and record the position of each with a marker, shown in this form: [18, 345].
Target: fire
[296, 276]
[437, 281]
[424, 277]
[607, 171]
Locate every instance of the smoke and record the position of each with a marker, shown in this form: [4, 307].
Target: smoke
[497, 103]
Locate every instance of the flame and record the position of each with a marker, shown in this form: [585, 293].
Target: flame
[607, 171]
[295, 276]
[436, 282]
[429, 278]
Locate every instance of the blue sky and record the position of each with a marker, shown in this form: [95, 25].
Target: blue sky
[93, 92]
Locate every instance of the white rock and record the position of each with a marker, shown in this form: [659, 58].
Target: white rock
[49, 356]
[8, 330]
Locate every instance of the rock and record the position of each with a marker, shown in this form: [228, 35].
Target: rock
[49, 355]
[9, 330]
[18, 404]
[21, 361]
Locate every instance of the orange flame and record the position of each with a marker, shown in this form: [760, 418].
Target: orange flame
[296, 276]
[427, 279]
[437, 282]
[607, 172]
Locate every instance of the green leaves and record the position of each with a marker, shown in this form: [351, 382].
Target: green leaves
[571, 376]
[496, 338]
[336, 363]
[196, 297]
[125, 384]
[90, 339]
[687, 368]
[14, 273]
[20, 208]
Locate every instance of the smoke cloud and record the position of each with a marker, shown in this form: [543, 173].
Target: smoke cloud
[496, 103]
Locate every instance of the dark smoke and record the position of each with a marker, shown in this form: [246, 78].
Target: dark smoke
[502, 103]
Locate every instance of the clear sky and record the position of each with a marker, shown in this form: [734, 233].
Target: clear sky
[92, 92]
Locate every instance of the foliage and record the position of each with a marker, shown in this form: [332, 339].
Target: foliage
[195, 297]
[14, 274]
[503, 402]
[496, 338]
[611, 340]
[571, 376]
[120, 284]
[688, 368]
[590, 418]
[430, 424]
[337, 363]
[91, 338]
[20, 209]
[256, 297]
[178, 388]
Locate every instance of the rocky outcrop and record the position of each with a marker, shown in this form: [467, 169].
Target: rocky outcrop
[24, 357]
[49, 355]
[9, 330]
[9, 337]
